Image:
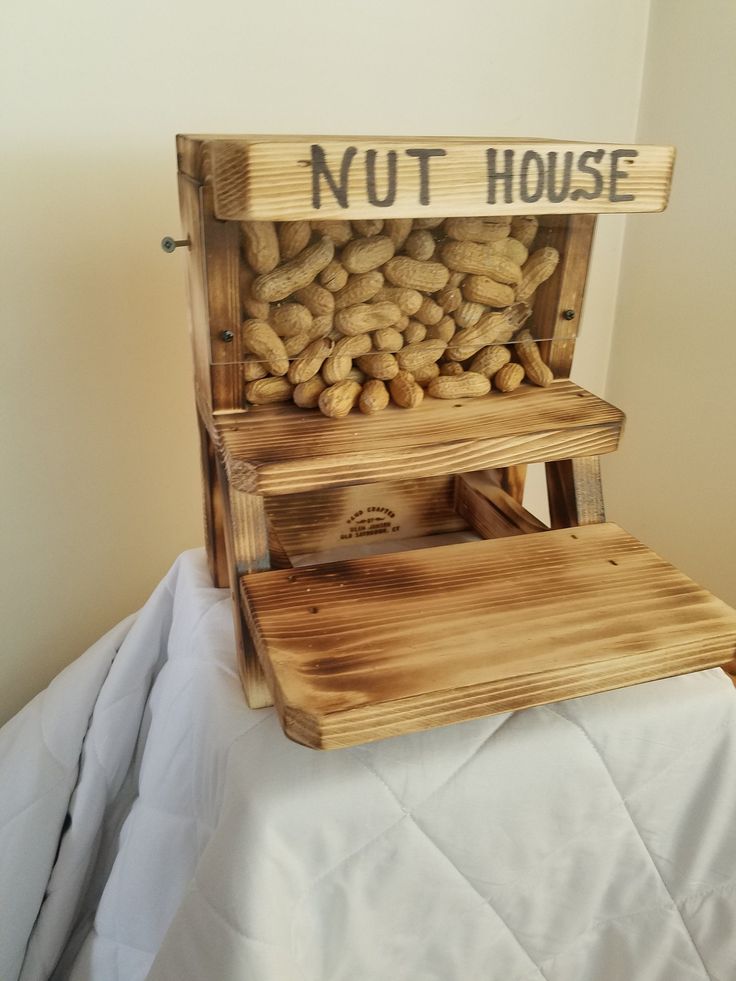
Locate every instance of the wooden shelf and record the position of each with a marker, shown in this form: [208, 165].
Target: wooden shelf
[283, 450]
[374, 647]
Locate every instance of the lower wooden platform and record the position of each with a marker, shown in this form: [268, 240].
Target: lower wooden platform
[367, 648]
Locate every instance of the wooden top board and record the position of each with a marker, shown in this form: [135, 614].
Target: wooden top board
[310, 177]
[281, 449]
[374, 647]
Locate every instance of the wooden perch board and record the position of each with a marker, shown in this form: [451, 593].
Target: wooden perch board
[281, 449]
[297, 177]
[367, 648]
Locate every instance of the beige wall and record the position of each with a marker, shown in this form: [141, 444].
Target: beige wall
[674, 355]
[100, 485]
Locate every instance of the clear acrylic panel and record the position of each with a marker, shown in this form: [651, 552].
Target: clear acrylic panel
[337, 301]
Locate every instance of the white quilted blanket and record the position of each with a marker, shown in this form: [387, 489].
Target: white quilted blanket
[152, 826]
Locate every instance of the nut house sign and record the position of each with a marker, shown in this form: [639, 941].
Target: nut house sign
[272, 178]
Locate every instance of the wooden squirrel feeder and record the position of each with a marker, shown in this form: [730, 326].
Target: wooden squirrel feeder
[283, 234]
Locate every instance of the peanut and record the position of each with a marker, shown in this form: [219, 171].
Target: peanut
[408, 301]
[338, 365]
[480, 260]
[483, 289]
[336, 229]
[316, 299]
[294, 274]
[512, 249]
[295, 344]
[443, 331]
[524, 229]
[414, 333]
[468, 314]
[467, 385]
[365, 254]
[402, 323]
[321, 326]
[256, 309]
[428, 277]
[478, 229]
[450, 298]
[336, 368]
[451, 369]
[424, 375]
[429, 313]
[388, 339]
[528, 354]
[260, 245]
[354, 346]
[309, 361]
[293, 237]
[373, 398]
[306, 395]
[253, 368]
[537, 269]
[365, 317]
[405, 391]
[456, 279]
[492, 328]
[290, 318]
[334, 276]
[422, 353]
[509, 377]
[420, 244]
[490, 359]
[428, 222]
[356, 375]
[379, 364]
[398, 230]
[358, 289]
[263, 341]
[368, 226]
[337, 400]
[265, 391]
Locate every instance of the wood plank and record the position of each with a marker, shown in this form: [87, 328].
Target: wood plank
[362, 177]
[284, 450]
[246, 542]
[341, 517]
[191, 222]
[213, 510]
[563, 293]
[221, 243]
[492, 513]
[379, 646]
[575, 492]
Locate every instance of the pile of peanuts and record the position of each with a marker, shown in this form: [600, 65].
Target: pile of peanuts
[340, 314]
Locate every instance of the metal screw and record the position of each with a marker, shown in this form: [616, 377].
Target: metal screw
[169, 244]
[226, 336]
[568, 314]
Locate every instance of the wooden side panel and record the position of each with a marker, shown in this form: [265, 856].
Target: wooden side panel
[575, 492]
[222, 266]
[380, 646]
[563, 293]
[344, 516]
[489, 510]
[246, 541]
[213, 507]
[191, 220]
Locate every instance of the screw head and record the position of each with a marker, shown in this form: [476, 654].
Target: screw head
[568, 314]
[168, 244]
[226, 336]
